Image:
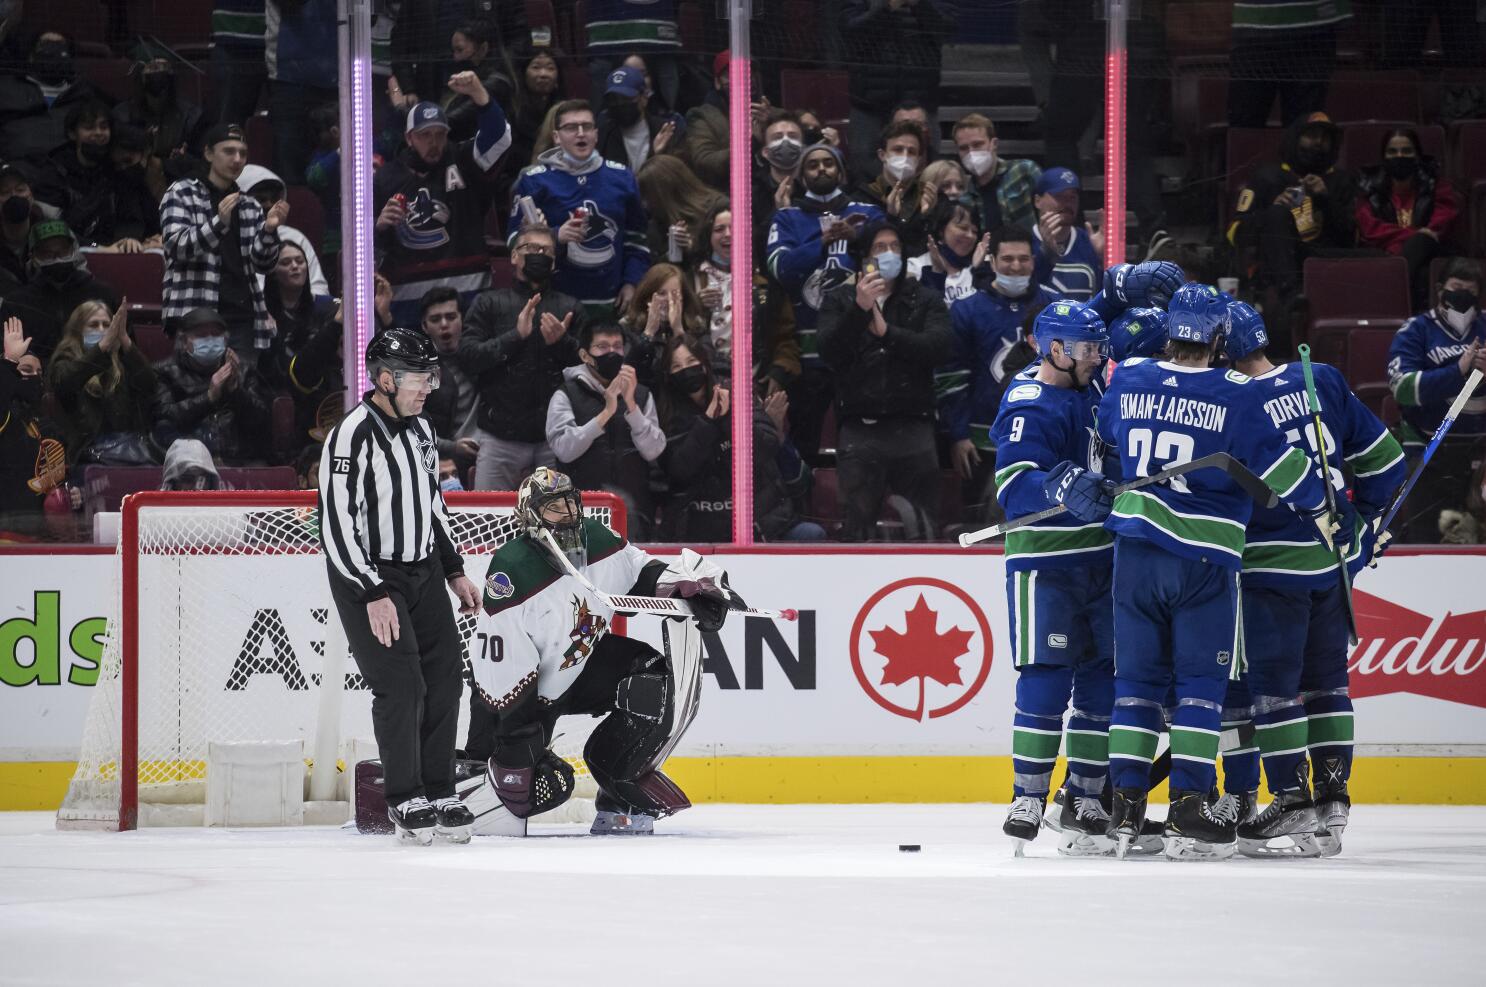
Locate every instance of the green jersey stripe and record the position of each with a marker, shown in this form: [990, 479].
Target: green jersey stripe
[1035, 541]
[1005, 474]
[1406, 390]
[1287, 472]
[1198, 530]
[1382, 455]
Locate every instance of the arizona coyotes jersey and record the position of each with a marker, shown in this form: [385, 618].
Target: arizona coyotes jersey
[540, 624]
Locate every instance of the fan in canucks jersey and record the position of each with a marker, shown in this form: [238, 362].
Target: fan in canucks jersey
[1294, 615]
[549, 652]
[1178, 550]
[1057, 581]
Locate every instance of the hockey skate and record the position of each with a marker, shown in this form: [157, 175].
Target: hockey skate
[1085, 828]
[1197, 829]
[1126, 818]
[1052, 816]
[456, 823]
[1243, 806]
[1333, 805]
[414, 821]
[1286, 828]
[1023, 820]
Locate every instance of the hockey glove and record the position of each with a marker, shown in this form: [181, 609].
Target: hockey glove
[1087, 496]
[1339, 528]
[1148, 284]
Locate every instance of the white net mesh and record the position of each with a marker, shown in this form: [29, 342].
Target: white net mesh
[227, 600]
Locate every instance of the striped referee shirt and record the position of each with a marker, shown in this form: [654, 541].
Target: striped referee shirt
[380, 499]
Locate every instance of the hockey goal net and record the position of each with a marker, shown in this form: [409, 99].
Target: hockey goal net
[218, 631]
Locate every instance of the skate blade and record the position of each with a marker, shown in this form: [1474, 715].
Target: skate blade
[458, 835]
[1019, 847]
[1186, 848]
[1122, 845]
[620, 824]
[420, 837]
[1053, 819]
[1148, 846]
[1329, 841]
[1085, 845]
[1300, 845]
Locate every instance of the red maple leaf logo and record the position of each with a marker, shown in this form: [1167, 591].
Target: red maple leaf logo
[920, 651]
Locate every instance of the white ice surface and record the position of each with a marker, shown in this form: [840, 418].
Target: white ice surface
[757, 895]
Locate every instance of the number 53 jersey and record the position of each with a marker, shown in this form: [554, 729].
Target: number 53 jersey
[1155, 415]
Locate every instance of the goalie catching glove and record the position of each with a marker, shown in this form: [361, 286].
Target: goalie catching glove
[704, 585]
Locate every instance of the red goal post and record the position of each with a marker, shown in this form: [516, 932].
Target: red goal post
[218, 600]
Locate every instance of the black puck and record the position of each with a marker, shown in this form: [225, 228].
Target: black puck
[909, 847]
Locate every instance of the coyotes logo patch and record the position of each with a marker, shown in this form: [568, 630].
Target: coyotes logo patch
[588, 627]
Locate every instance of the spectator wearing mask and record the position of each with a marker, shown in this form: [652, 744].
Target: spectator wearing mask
[1428, 363]
[676, 200]
[896, 190]
[268, 190]
[810, 255]
[776, 352]
[987, 326]
[516, 344]
[105, 388]
[473, 49]
[35, 98]
[883, 337]
[629, 131]
[172, 124]
[1300, 206]
[33, 462]
[957, 250]
[893, 54]
[217, 242]
[189, 466]
[594, 205]
[693, 408]
[208, 392]
[18, 210]
[602, 427]
[301, 47]
[1406, 207]
[1070, 255]
[59, 282]
[431, 202]
[104, 207]
[450, 405]
[1006, 188]
[776, 170]
[138, 187]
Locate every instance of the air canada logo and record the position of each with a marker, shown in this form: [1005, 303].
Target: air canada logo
[921, 648]
[1442, 656]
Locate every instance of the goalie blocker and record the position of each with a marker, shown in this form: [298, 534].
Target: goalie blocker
[550, 652]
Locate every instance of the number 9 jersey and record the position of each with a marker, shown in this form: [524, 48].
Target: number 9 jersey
[1156, 415]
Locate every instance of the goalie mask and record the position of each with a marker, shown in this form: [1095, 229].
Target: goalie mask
[548, 500]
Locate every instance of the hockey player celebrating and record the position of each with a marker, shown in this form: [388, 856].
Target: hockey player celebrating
[551, 654]
[1058, 576]
[1294, 611]
[1178, 549]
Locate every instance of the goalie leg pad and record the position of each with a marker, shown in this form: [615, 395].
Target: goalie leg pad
[622, 750]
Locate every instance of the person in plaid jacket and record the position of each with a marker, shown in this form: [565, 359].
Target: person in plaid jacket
[216, 242]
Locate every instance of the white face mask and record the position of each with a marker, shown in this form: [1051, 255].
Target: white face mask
[1013, 284]
[979, 163]
[1459, 321]
[900, 166]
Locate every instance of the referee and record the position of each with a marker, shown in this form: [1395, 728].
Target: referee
[386, 538]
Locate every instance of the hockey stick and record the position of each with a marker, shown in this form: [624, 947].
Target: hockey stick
[1439, 434]
[660, 606]
[1238, 472]
[1333, 519]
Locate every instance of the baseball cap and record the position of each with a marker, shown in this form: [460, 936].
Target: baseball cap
[224, 132]
[50, 229]
[426, 115]
[626, 81]
[1055, 180]
[721, 62]
[199, 318]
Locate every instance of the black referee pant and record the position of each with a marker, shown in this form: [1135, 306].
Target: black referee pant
[416, 683]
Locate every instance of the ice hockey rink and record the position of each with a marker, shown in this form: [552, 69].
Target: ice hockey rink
[734, 895]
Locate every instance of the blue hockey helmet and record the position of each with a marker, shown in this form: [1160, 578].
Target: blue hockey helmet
[1079, 327]
[1246, 333]
[1137, 332]
[1197, 313]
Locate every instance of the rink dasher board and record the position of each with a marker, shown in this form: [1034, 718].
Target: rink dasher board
[787, 705]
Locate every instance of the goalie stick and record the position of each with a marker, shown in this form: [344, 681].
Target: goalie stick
[1434, 442]
[1238, 472]
[660, 606]
[1333, 520]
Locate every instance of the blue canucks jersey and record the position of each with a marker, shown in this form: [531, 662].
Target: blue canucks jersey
[1156, 414]
[985, 326]
[1037, 427]
[1282, 549]
[808, 268]
[1076, 273]
[1424, 372]
[612, 252]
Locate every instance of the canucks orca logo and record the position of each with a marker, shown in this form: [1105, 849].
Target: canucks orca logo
[598, 245]
[831, 274]
[426, 225]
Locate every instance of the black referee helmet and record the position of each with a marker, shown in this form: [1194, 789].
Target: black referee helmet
[401, 349]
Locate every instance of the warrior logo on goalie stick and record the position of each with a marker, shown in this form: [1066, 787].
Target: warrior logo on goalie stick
[588, 627]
